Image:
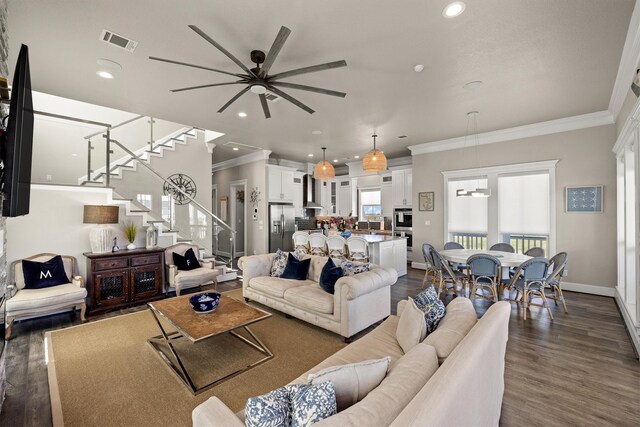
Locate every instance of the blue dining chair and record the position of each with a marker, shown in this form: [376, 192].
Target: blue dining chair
[455, 245]
[554, 280]
[484, 271]
[535, 252]
[447, 275]
[502, 247]
[530, 280]
[427, 251]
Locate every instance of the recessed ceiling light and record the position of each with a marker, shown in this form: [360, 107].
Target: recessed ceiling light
[242, 114]
[473, 85]
[105, 74]
[418, 68]
[74, 155]
[316, 132]
[108, 69]
[453, 9]
[335, 160]
[310, 155]
[235, 149]
[356, 157]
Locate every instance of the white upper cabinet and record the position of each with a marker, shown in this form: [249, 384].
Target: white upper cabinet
[401, 184]
[344, 196]
[280, 184]
[386, 195]
[298, 196]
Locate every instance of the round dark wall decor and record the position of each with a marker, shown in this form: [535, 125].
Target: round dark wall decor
[184, 183]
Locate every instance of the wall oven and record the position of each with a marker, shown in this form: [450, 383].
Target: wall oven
[402, 219]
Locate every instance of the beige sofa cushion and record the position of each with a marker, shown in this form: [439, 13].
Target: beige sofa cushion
[352, 382]
[311, 297]
[34, 299]
[454, 326]
[276, 286]
[412, 327]
[383, 404]
[376, 344]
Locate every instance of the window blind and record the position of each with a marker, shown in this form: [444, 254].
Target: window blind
[467, 214]
[524, 204]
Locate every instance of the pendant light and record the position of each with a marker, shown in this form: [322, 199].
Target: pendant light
[324, 170]
[374, 160]
[479, 191]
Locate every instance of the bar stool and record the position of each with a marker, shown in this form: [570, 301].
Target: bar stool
[358, 249]
[318, 244]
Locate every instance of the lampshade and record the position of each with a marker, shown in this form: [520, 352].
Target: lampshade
[324, 170]
[98, 214]
[374, 160]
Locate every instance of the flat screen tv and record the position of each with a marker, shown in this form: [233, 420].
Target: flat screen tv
[17, 142]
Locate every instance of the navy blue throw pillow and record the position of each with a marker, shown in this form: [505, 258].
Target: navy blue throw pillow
[295, 269]
[330, 275]
[186, 262]
[38, 275]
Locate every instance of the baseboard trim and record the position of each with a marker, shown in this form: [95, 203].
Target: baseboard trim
[633, 331]
[567, 286]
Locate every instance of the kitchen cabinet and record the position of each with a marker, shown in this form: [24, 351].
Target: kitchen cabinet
[401, 184]
[344, 199]
[386, 195]
[280, 184]
[324, 193]
[389, 252]
[298, 197]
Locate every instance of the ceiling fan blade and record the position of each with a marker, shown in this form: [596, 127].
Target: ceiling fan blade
[232, 100]
[170, 61]
[311, 69]
[275, 50]
[265, 106]
[310, 89]
[291, 99]
[203, 86]
[221, 49]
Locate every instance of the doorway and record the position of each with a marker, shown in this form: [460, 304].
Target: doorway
[237, 200]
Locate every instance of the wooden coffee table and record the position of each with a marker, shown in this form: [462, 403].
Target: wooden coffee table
[228, 317]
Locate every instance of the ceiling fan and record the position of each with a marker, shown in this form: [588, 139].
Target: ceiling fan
[257, 79]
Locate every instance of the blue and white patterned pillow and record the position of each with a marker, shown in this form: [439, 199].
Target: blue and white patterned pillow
[433, 308]
[280, 261]
[272, 409]
[351, 268]
[313, 403]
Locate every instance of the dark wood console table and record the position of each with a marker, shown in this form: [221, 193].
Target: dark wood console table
[124, 278]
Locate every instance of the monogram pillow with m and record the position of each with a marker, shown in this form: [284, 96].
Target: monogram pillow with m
[39, 275]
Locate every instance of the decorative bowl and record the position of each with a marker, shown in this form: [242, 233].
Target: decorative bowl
[205, 303]
[346, 234]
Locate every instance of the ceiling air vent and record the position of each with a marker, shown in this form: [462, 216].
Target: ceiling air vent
[119, 41]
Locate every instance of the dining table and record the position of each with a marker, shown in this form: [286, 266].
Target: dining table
[507, 259]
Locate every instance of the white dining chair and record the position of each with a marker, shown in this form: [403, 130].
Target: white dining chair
[336, 247]
[358, 249]
[318, 244]
[301, 241]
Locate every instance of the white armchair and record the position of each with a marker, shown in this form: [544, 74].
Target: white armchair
[181, 279]
[23, 302]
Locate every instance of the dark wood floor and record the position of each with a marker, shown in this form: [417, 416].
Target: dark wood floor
[579, 369]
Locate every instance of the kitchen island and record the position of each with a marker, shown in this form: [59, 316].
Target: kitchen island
[388, 251]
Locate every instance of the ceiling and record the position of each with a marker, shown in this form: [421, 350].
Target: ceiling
[539, 60]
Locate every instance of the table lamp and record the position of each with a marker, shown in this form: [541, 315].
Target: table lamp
[100, 237]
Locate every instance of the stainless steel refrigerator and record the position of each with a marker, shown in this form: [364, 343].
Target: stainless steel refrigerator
[281, 226]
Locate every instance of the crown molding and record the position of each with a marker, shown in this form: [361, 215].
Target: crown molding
[566, 124]
[628, 64]
[502, 169]
[242, 160]
[630, 125]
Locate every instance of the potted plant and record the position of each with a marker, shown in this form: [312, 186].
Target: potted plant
[131, 231]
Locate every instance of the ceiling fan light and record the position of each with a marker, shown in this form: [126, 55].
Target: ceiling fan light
[258, 89]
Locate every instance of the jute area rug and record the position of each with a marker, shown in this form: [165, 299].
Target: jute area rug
[105, 373]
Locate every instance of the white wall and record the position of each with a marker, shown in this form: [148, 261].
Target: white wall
[54, 223]
[585, 158]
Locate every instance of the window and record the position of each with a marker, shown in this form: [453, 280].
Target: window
[168, 210]
[467, 216]
[145, 200]
[370, 203]
[520, 210]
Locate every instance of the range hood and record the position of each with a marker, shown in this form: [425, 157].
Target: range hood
[309, 192]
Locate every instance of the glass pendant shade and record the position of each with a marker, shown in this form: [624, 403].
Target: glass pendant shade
[374, 160]
[324, 170]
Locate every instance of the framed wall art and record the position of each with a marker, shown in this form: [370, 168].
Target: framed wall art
[584, 199]
[425, 201]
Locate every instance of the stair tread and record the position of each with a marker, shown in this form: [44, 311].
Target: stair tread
[139, 210]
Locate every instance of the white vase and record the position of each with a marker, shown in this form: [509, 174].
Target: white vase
[131, 246]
